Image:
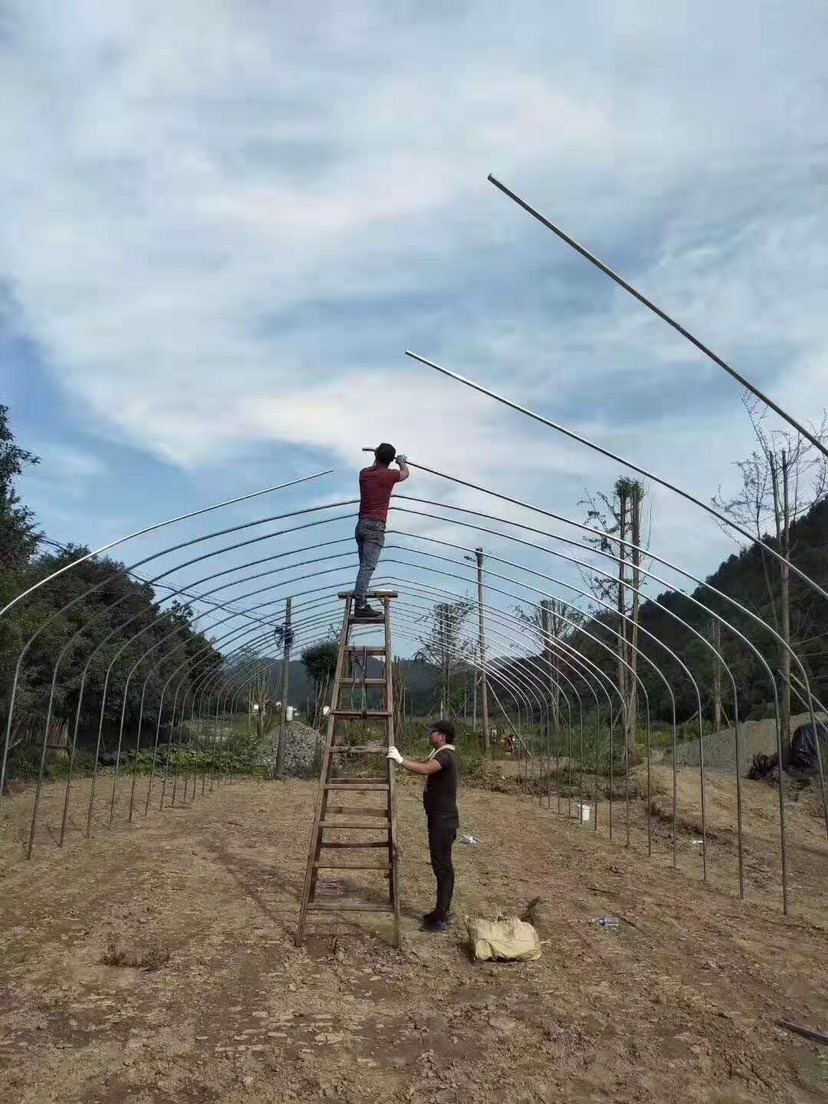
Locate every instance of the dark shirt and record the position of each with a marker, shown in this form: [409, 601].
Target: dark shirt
[375, 486]
[440, 794]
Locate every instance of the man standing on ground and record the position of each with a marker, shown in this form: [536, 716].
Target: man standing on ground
[375, 486]
[440, 801]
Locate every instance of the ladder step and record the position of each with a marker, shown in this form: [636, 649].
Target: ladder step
[361, 714]
[373, 594]
[330, 824]
[356, 843]
[351, 866]
[363, 681]
[358, 749]
[354, 810]
[372, 651]
[358, 784]
[346, 906]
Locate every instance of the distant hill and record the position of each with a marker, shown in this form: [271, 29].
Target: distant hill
[743, 577]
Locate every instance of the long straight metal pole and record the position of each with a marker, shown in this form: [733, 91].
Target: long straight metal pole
[708, 352]
[484, 697]
[286, 642]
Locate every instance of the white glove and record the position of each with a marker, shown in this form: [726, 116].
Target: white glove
[402, 459]
[395, 755]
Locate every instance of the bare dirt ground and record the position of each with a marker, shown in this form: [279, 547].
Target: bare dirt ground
[679, 1005]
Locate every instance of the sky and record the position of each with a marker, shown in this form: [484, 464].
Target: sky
[224, 222]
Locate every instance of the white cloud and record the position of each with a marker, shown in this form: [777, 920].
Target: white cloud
[224, 222]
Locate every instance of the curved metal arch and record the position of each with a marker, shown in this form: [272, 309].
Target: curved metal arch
[325, 618]
[691, 598]
[153, 528]
[236, 612]
[571, 654]
[91, 590]
[235, 632]
[512, 686]
[721, 518]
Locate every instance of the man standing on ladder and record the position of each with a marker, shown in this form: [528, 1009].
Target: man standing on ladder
[375, 486]
[440, 801]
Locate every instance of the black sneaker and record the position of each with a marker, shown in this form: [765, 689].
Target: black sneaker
[434, 915]
[435, 925]
[367, 611]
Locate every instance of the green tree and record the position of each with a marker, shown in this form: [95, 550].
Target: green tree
[18, 530]
[319, 660]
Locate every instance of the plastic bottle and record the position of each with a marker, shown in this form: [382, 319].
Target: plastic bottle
[607, 922]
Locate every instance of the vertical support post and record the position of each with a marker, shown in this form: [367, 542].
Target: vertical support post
[287, 641]
[484, 697]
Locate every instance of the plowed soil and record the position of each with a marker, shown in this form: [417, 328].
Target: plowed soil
[155, 964]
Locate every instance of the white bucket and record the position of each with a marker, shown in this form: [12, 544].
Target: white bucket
[289, 711]
[583, 811]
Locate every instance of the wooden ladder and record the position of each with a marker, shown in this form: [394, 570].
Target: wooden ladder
[334, 786]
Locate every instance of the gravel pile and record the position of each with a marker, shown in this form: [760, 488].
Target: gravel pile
[720, 750]
[303, 747]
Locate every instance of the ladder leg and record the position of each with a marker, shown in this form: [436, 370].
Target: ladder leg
[309, 887]
[394, 880]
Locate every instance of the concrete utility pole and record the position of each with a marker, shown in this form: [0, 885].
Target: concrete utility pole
[287, 641]
[484, 697]
[550, 633]
[716, 638]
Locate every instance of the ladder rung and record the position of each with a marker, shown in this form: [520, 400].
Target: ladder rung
[373, 594]
[363, 681]
[355, 843]
[329, 824]
[345, 906]
[358, 749]
[356, 784]
[373, 650]
[351, 866]
[354, 810]
[361, 714]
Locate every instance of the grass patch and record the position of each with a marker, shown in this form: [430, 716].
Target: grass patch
[147, 956]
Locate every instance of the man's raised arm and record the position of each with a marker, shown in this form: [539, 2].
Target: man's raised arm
[402, 460]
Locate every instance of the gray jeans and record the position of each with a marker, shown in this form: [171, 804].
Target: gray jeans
[370, 538]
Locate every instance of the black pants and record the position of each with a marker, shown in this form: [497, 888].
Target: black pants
[441, 835]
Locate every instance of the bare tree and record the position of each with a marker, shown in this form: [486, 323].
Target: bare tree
[444, 647]
[260, 697]
[782, 478]
[620, 517]
[551, 621]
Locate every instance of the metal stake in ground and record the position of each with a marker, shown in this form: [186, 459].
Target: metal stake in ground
[287, 641]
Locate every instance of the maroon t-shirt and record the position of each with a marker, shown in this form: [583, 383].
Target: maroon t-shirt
[375, 486]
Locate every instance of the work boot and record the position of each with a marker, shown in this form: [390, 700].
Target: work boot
[362, 609]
